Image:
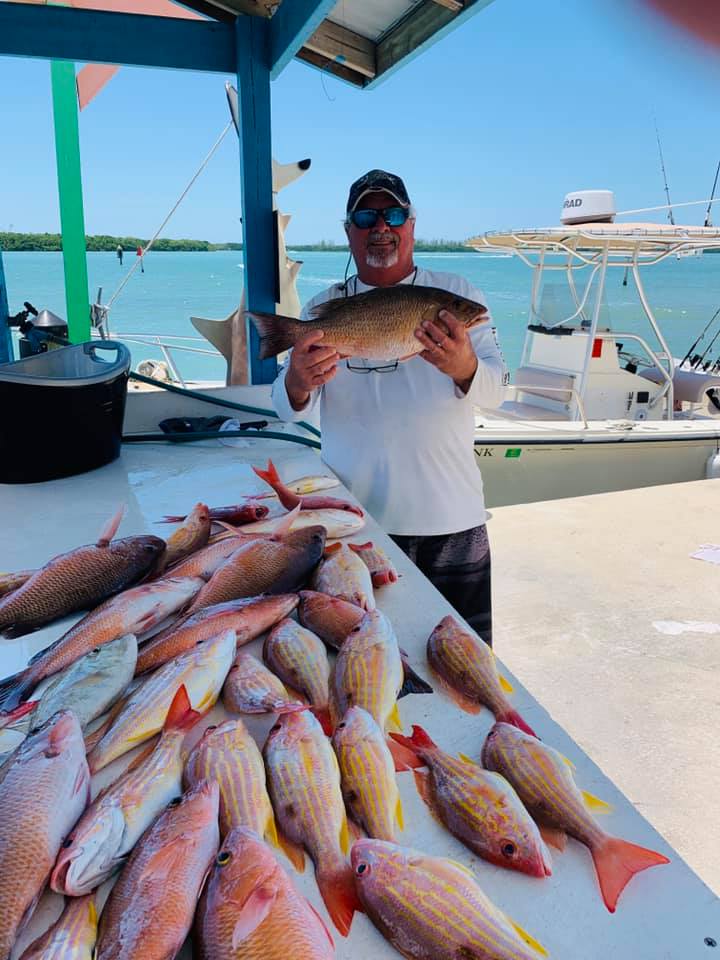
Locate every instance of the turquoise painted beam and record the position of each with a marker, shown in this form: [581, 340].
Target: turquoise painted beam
[98, 36]
[6, 352]
[293, 24]
[259, 256]
[72, 217]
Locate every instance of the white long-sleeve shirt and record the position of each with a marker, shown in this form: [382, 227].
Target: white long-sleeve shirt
[402, 441]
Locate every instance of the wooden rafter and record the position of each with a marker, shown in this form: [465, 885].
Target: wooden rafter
[344, 47]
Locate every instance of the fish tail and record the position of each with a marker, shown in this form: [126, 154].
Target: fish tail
[404, 752]
[513, 717]
[15, 689]
[337, 889]
[616, 862]
[322, 715]
[111, 526]
[181, 715]
[277, 333]
[420, 739]
[270, 475]
[412, 682]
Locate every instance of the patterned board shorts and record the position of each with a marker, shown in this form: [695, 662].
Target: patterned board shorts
[458, 564]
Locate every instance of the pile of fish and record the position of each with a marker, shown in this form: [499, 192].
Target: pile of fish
[186, 836]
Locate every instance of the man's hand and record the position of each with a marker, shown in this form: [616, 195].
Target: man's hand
[452, 351]
[311, 366]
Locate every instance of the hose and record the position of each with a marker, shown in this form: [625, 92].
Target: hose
[217, 401]
[218, 435]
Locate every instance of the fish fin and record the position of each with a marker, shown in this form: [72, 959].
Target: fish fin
[181, 715]
[359, 547]
[111, 526]
[394, 718]
[567, 762]
[505, 684]
[553, 836]
[12, 716]
[285, 523]
[293, 851]
[344, 836]
[322, 714]
[252, 913]
[324, 925]
[277, 333]
[331, 548]
[420, 739]
[271, 834]
[616, 862]
[166, 860]
[92, 911]
[399, 817]
[595, 803]
[269, 475]
[526, 938]
[337, 889]
[514, 718]
[404, 757]
[465, 759]
[465, 703]
[412, 683]
[14, 689]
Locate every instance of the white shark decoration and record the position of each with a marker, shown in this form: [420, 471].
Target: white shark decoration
[229, 336]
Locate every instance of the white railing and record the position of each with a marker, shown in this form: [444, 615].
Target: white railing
[167, 343]
[534, 390]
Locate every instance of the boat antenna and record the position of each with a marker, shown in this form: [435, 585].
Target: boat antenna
[698, 339]
[708, 220]
[662, 166]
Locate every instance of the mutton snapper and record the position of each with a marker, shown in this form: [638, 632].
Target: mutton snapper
[134, 611]
[377, 325]
[150, 909]
[248, 618]
[304, 783]
[477, 806]
[264, 566]
[250, 909]
[367, 774]
[229, 755]
[79, 580]
[430, 908]
[43, 791]
[467, 668]
[71, 937]
[544, 782]
[202, 670]
[116, 819]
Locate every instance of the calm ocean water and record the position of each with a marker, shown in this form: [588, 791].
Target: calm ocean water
[175, 286]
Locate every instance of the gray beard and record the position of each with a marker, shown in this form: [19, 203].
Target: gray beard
[386, 259]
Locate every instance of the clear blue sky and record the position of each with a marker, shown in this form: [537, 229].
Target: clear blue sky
[490, 128]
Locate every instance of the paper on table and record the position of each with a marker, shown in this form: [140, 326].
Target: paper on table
[709, 552]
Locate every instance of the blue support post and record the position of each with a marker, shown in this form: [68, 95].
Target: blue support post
[259, 250]
[291, 26]
[6, 351]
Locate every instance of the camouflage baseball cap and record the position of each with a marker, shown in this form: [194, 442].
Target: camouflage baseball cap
[377, 181]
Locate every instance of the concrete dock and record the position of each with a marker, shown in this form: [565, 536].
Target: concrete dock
[610, 624]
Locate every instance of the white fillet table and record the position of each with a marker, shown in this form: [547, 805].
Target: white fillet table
[665, 913]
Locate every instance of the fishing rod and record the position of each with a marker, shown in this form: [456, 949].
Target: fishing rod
[698, 362]
[662, 166]
[700, 337]
[708, 221]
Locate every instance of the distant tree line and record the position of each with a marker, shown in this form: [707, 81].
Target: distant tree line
[13, 242]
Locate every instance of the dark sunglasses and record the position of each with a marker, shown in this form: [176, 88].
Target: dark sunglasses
[366, 219]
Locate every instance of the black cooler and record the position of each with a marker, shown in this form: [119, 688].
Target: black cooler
[61, 412]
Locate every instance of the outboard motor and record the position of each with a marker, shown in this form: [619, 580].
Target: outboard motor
[38, 330]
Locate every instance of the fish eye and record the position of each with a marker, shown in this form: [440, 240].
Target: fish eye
[508, 849]
[213, 726]
[362, 869]
[175, 801]
[275, 728]
[341, 726]
[67, 842]
[223, 857]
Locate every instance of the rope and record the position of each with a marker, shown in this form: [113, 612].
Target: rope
[666, 206]
[139, 260]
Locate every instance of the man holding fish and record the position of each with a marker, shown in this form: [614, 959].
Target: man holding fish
[398, 356]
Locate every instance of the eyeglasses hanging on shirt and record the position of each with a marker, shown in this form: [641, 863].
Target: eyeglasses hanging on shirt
[359, 364]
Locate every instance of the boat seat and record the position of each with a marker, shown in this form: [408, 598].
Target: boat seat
[548, 384]
[515, 410]
[689, 386]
